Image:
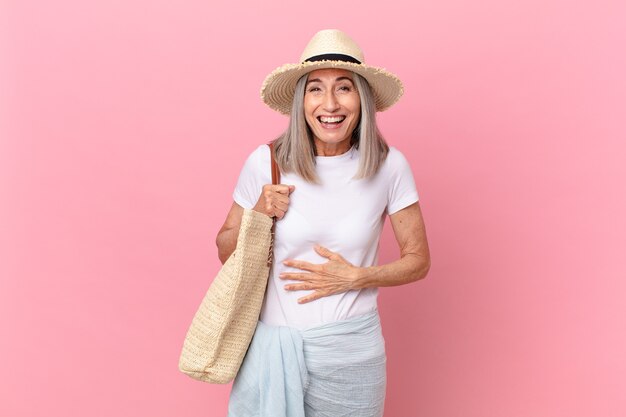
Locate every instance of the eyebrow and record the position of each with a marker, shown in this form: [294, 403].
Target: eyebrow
[336, 79]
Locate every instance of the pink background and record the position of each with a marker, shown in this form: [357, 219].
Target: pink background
[123, 126]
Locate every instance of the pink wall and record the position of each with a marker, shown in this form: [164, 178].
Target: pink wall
[123, 126]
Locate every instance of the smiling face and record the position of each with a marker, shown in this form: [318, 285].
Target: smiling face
[332, 108]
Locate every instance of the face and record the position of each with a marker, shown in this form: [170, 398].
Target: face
[332, 107]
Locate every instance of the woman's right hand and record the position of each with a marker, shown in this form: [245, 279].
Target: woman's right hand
[274, 200]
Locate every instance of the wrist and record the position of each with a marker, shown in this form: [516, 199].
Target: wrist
[363, 277]
[259, 209]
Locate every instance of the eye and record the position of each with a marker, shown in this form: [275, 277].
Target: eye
[345, 88]
[313, 89]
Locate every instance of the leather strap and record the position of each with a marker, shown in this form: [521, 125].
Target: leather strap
[275, 169]
[275, 180]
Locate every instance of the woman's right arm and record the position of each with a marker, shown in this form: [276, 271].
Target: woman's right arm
[227, 236]
[273, 202]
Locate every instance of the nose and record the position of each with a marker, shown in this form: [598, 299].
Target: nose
[330, 101]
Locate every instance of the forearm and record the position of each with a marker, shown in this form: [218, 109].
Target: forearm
[338, 275]
[409, 268]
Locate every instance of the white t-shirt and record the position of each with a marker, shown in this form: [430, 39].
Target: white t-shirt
[340, 213]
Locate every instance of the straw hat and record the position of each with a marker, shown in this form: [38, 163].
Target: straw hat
[329, 48]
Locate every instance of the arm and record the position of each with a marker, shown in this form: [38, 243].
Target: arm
[338, 275]
[414, 263]
[226, 240]
[273, 202]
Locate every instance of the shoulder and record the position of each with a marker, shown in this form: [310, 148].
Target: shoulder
[395, 156]
[260, 153]
[255, 173]
[395, 161]
[258, 158]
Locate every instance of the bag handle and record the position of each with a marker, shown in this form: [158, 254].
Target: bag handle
[275, 169]
[275, 180]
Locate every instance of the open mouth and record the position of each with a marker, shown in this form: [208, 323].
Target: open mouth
[331, 122]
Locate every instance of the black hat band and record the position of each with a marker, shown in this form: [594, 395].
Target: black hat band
[333, 57]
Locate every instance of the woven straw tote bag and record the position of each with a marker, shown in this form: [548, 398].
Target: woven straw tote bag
[223, 326]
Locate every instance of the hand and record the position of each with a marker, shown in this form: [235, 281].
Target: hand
[333, 277]
[274, 200]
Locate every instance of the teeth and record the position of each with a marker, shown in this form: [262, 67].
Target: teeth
[334, 119]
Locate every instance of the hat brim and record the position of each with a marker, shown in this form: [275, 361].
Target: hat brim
[279, 86]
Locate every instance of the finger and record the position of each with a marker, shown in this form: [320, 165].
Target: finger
[273, 207]
[269, 189]
[326, 253]
[306, 266]
[281, 206]
[280, 197]
[311, 297]
[304, 286]
[297, 276]
[284, 189]
[278, 213]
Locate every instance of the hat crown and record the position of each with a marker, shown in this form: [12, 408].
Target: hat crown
[332, 41]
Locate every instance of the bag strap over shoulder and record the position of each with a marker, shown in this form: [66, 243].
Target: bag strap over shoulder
[275, 180]
[275, 169]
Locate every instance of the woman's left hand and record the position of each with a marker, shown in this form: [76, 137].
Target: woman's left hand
[333, 277]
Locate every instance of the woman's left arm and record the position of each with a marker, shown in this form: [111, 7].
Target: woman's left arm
[338, 275]
[414, 263]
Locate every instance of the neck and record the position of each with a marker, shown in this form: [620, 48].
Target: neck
[332, 149]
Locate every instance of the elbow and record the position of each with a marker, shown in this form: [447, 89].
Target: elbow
[425, 268]
[221, 257]
[226, 244]
[220, 249]
[422, 268]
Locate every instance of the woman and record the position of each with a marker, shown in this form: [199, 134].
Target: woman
[318, 349]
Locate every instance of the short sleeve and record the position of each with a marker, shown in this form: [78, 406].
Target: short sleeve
[256, 172]
[402, 190]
